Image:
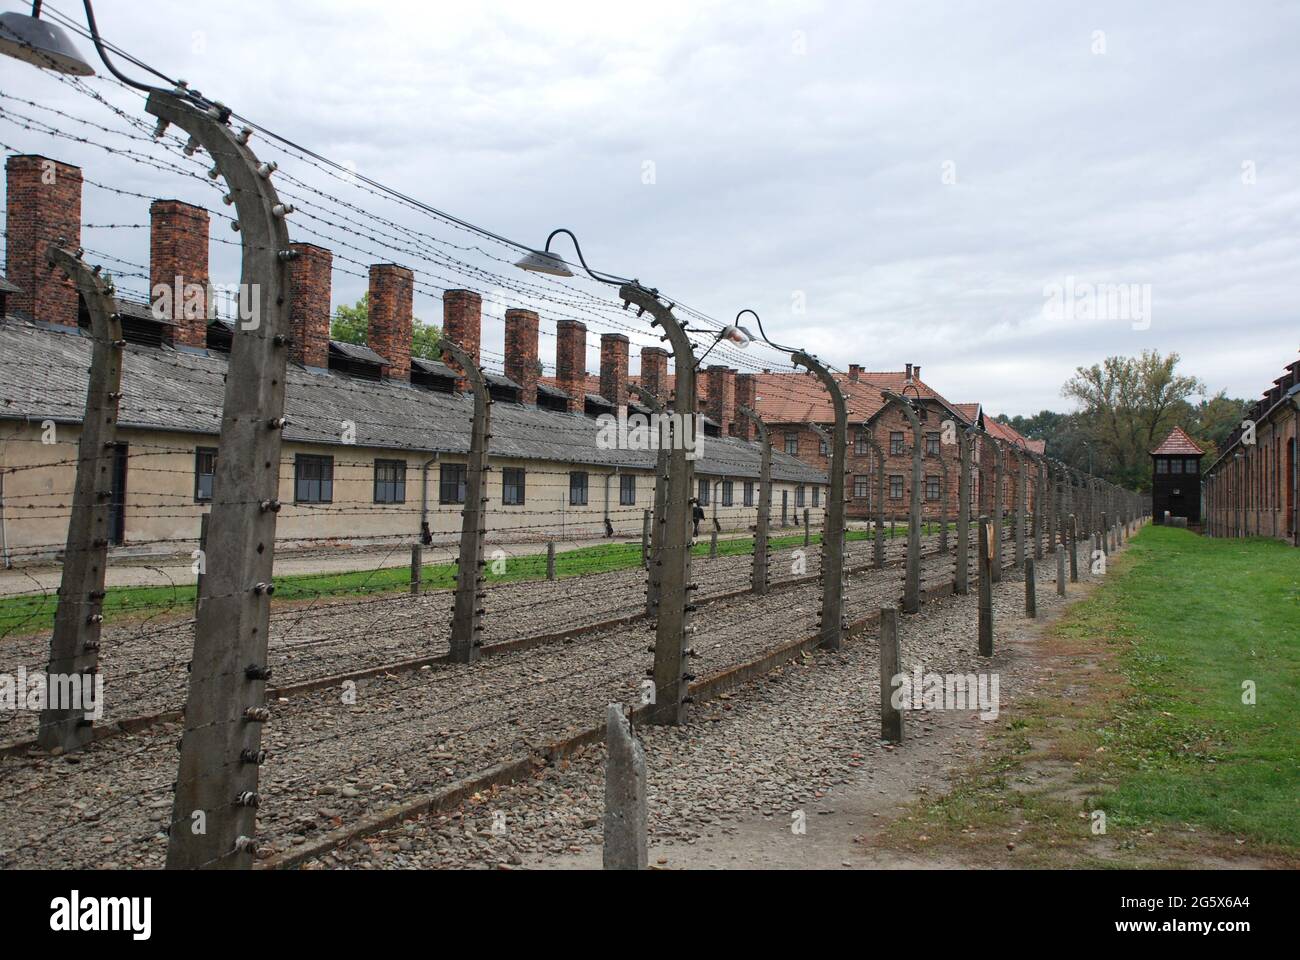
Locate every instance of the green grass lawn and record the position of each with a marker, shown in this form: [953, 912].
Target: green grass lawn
[29, 614]
[1198, 618]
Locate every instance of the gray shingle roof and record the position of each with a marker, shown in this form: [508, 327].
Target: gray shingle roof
[357, 351]
[434, 367]
[43, 375]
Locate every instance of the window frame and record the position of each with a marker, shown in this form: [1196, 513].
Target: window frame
[627, 490]
[901, 487]
[933, 481]
[199, 453]
[459, 472]
[748, 493]
[516, 479]
[791, 439]
[861, 486]
[897, 443]
[398, 483]
[585, 488]
[302, 460]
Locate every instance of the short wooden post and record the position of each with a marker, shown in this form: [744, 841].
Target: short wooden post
[1031, 588]
[550, 560]
[891, 717]
[417, 568]
[986, 589]
[1060, 573]
[807, 530]
[713, 542]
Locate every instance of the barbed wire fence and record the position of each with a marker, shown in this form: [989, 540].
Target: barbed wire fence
[412, 659]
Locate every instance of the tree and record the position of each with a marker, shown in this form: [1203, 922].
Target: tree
[351, 323]
[1128, 405]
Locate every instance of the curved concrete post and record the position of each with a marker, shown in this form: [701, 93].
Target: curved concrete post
[1020, 489]
[74, 645]
[672, 626]
[225, 707]
[832, 572]
[961, 570]
[943, 502]
[661, 491]
[758, 579]
[878, 541]
[912, 576]
[467, 615]
[999, 461]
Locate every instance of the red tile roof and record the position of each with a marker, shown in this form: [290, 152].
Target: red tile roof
[1178, 442]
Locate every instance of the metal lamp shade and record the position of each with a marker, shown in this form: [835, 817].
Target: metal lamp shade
[540, 261]
[41, 43]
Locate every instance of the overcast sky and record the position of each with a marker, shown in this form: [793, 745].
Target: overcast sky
[917, 175]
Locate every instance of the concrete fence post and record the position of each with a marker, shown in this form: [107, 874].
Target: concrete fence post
[807, 529]
[713, 542]
[216, 795]
[1060, 573]
[204, 522]
[1020, 482]
[1040, 496]
[467, 615]
[654, 559]
[672, 624]
[999, 469]
[878, 546]
[550, 560]
[943, 502]
[832, 567]
[759, 572]
[625, 795]
[79, 616]
[961, 578]
[1074, 549]
[891, 717]
[1031, 588]
[987, 555]
[1105, 533]
[912, 572]
[645, 538]
[417, 569]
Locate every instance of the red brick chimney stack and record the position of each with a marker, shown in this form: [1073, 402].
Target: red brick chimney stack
[521, 352]
[462, 321]
[388, 331]
[178, 269]
[720, 384]
[310, 276]
[654, 372]
[571, 362]
[613, 368]
[43, 201]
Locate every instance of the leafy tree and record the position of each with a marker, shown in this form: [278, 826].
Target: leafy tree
[1128, 404]
[351, 323]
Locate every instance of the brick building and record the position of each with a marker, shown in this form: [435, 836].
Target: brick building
[376, 439]
[1250, 490]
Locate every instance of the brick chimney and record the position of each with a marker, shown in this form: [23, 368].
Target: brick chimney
[720, 402]
[571, 362]
[388, 330]
[746, 396]
[909, 373]
[462, 321]
[178, 269]
[855, 372]
[916, 371]
[613, 368]
[521, 352]
[44, 205]
[310, 276]
[654, 372]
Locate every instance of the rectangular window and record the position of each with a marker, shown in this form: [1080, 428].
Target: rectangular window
[1162, 465]
[798, 495]
[313, 479]
[931, 444]
[512, 486]
[451, 483]
[792, 444]
[860, 446]
[861, 487]
[1192, 465]
[822, 448]
[895, 488]
[390, 481]
[749, 493]
[703, 492]
[627, 489]
[817, 496]
[932, 488]
[205, 471]
[896, 444]
[1175, 466]
[578, 488]
[728, 493]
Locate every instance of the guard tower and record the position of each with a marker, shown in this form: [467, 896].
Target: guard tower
[1176, 478]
